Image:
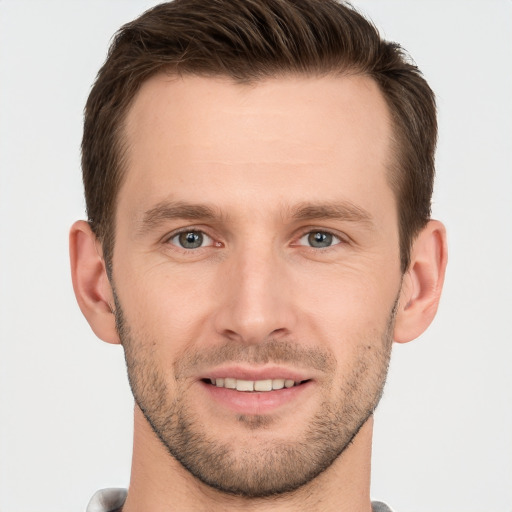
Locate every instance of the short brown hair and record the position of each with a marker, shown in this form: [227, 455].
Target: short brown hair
[250, 40]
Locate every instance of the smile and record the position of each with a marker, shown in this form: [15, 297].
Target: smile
[252, 391]
[254, 385]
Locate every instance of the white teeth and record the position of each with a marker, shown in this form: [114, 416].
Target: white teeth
[228, 383]
[244, 385]
[277, 383]
[263, 385]
[253, 385]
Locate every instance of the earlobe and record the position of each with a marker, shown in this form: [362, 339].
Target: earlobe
[90, 282]
[422, 283]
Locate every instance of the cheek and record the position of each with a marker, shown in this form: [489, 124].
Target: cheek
[349, 306]
[165, 302]
[335, 304]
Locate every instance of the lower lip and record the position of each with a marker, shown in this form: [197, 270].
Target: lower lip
[243, 402]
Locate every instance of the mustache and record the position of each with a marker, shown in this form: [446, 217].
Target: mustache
[271, 351]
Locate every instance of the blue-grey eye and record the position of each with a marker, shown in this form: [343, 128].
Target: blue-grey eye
[319, 239]
[191, 239]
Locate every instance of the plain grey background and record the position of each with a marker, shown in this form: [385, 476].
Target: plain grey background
[443, 435]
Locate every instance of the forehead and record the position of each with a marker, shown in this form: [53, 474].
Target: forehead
[289, 136]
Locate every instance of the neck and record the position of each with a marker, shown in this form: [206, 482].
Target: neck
[160, 483]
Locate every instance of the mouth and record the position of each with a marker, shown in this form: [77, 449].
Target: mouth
[260, 392]
[252, 386]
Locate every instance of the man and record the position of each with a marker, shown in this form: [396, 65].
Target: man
[258, 178]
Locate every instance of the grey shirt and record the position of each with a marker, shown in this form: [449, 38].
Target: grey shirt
[110, 500]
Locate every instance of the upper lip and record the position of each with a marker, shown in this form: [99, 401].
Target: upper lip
[262, 373]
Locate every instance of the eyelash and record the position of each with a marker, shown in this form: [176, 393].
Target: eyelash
[337, 239]
[187, 231]
[310, 232]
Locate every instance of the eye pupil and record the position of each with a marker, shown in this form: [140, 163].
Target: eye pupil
[191, 239]
[320, 239]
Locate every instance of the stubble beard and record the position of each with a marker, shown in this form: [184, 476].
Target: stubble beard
[256, 469]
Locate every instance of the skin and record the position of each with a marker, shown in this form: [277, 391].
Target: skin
[273, 163]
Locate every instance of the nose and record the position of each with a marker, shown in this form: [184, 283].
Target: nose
[255, 300]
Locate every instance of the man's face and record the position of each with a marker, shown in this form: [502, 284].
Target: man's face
[257, 248]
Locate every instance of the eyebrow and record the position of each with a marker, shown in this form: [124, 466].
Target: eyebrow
[342, 210]
[170, 210]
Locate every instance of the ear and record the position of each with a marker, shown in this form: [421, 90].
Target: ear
[90, 282]
[422, 283]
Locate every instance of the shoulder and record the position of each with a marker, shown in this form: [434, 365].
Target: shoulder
[378, 506]
[107, 500]
[110, 500]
